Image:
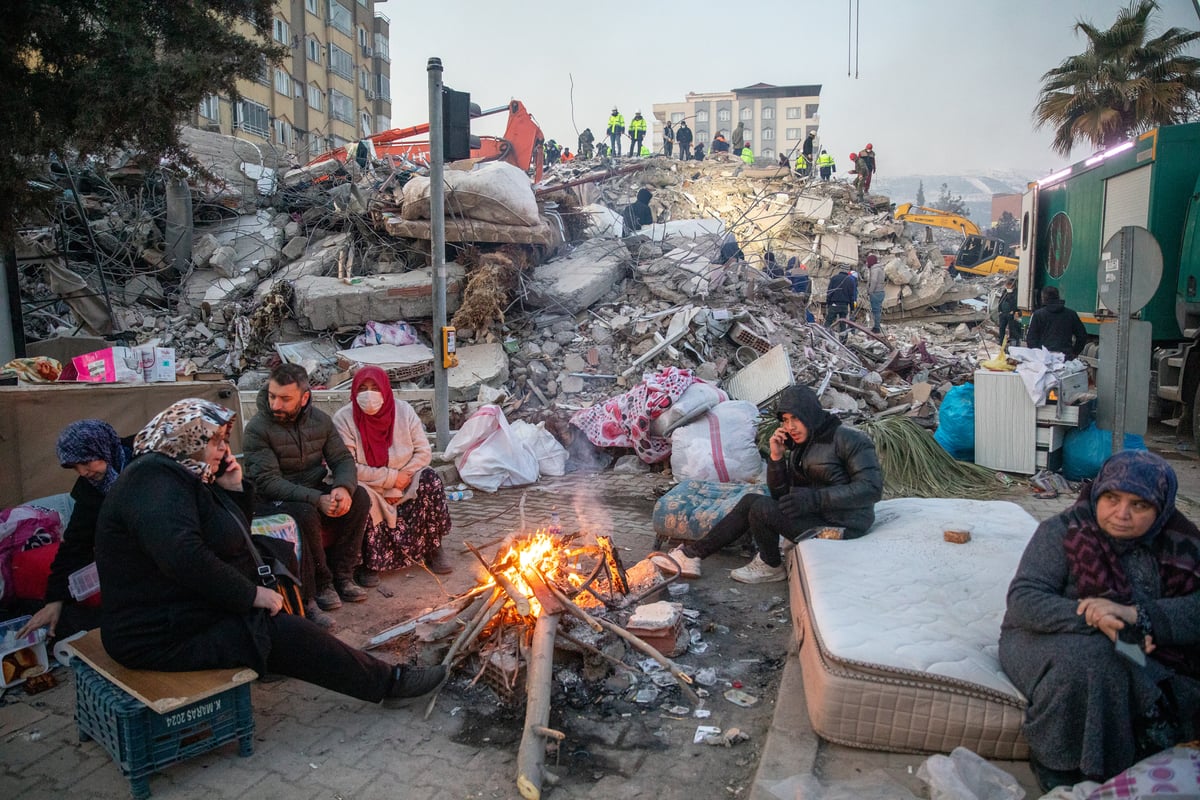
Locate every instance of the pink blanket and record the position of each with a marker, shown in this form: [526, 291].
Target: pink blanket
[624, 420]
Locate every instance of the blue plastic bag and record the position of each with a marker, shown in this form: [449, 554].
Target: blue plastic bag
[1084, 451]
[956, 423]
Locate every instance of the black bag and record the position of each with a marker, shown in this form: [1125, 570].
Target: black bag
[274, 559]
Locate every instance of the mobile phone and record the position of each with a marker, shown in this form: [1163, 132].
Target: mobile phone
[223, 467]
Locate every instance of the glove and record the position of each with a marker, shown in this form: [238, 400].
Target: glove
[799, 501]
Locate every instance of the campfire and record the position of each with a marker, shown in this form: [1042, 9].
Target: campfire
[540, 592]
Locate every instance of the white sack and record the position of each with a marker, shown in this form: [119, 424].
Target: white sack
[493, 192]
[551, 456]
[695, 400]
[488, 455]
[719, 446]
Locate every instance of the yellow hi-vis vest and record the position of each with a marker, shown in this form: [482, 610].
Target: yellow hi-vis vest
[637, 125]
[616, 124]
[748, 156]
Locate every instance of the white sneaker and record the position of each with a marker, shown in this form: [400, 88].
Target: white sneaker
[757, 571]
[685, 565]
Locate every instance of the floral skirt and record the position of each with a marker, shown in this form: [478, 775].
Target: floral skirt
[421, 523]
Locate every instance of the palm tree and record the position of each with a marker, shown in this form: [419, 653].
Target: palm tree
[1123, 84]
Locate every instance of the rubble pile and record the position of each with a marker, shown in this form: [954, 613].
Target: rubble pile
[552, 319]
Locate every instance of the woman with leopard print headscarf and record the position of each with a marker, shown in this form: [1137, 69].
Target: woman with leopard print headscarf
[180, 585]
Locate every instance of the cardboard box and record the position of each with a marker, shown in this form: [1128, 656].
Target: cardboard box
[163, 367]
[23, 657]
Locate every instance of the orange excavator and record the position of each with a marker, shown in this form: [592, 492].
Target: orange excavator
[520, 146]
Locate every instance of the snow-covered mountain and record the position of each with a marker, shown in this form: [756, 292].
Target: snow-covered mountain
[976, 190]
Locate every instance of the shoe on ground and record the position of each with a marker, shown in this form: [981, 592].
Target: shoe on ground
[315, 615]
[367, 578]
[438, 563]
[410, 681]
[327, 599]
[685, 565]
[758, 571]
[349, 591]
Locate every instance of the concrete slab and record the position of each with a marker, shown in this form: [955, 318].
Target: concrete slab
[814, 208]
[478, 363]
[574, 282]
[840, 248]
[207, 286]
[319, 259]
[324, 303]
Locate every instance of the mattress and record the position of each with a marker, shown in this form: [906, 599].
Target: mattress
[899, 630]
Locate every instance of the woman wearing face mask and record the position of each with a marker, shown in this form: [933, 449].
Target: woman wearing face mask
[409, 516]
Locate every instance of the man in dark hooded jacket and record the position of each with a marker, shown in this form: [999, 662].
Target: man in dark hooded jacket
[638, 213]
[1056, 327]
[821, 474]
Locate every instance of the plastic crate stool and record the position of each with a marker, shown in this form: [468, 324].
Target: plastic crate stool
[149, 720]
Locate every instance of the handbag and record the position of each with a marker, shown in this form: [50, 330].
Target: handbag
[272, 560]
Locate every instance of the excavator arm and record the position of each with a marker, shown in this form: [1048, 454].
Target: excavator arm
[921, 215]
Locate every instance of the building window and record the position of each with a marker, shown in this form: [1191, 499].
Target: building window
[283, 81]
[701, 136]
[747, 114]
[210, 108]
[677, 116]
[313, 49]
[313, 6]
[383, 86]
[768, 133]
[339, 17]
[316, 99]
[794, 113]
[264, 72]
[251, 117]
[363, 39]
[381, 47]
[340, 106]
[364, 121]
[768, 113]
[362, 3]
[364, 79]
[284, 134]
[383, 123]
[768, 153]
[341, 62]
[723, 115]
[282, 34]
[702, 116]
[810, 110]
[793, 133]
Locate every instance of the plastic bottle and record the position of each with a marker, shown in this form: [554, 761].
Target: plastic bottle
[459, 494]
[555, 523]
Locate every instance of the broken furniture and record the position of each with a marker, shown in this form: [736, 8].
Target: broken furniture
[903, 658]
[1014, 435]
[149, 720]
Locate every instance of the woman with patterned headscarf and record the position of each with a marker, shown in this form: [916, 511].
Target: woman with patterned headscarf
[1102, 632]
[409, 516]
[94, 450]
[180, 585]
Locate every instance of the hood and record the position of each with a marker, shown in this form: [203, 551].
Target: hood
[803, 404]
[644, 195]
[1055, 306]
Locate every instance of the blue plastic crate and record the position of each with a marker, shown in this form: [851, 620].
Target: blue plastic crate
[143, 742]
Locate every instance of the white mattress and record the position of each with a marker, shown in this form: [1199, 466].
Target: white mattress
[906, 627]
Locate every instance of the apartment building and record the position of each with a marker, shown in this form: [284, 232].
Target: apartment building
[333, 89]
[776, 118]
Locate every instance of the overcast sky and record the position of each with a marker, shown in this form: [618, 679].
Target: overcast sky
[940, 87]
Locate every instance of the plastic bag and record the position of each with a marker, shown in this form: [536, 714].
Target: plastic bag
[1084, 451]
[963, 775]
[956, 422]
[695, 400]
[488, 455]
[551, 456]
[719, 446]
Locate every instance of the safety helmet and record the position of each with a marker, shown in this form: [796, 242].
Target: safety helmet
[870, 146]
[853, 156]
[614, 109]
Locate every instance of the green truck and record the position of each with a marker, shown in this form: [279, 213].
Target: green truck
[1152, 181]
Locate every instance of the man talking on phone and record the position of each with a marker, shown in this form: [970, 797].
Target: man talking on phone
[823, 475]
[300, 467]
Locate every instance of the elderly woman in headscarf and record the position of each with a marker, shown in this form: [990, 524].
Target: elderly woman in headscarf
[1102, 632]
[97, 454]
[409, 515]
[180, 585]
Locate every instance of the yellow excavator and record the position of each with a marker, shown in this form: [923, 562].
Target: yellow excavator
[978, 254]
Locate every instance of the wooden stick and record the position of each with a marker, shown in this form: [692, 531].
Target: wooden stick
[520, 601]
[468, 635]
[531, 756]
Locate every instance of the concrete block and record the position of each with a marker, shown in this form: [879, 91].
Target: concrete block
[577, 281]
[295, 247]
[478, 363]
[814, 208]
[320, 259]
[206, 286]
[324, 303]
[840, 248]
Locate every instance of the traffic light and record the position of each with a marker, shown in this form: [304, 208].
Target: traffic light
[456, 124]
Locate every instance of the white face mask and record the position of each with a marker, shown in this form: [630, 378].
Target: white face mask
[369, 401]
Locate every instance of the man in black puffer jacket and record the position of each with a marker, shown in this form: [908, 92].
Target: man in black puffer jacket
[820, 473]
[1056, 327]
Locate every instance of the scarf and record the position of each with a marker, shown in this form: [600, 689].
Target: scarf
[93, 440]
[182, 431]
[375, 430]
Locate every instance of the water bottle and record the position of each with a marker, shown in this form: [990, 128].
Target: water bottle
[555, 523]
[459, 494]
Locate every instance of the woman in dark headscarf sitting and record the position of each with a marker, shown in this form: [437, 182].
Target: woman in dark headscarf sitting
[820, 473]
[94, 450]
[1102, 632]
[180, 586]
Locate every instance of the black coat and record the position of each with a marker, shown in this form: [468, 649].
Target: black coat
[1056, 328]
[683, 135]
[173, 562]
